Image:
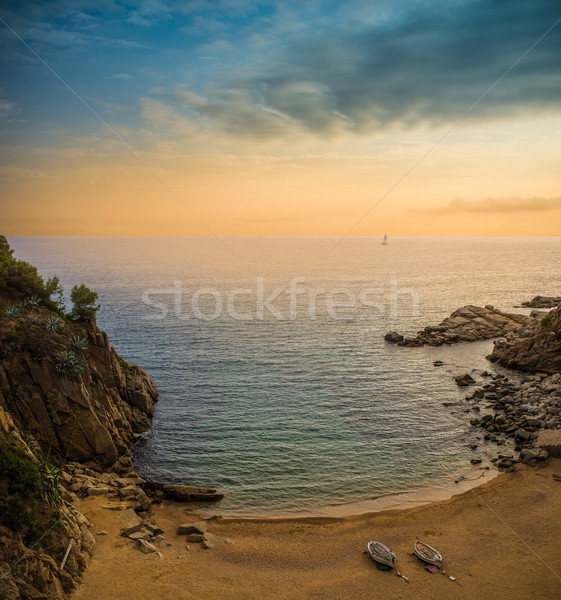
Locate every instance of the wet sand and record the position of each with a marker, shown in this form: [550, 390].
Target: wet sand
[501, 540]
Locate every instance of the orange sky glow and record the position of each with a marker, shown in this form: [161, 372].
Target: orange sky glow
[208, 155]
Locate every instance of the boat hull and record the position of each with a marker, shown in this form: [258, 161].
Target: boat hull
[427, 554]
[380, 553]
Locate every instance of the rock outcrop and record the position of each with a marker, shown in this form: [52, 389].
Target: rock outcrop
[86, 411]
[543, 302]
[183, 493]
[36, 534]
[467, 324]
[535, 348]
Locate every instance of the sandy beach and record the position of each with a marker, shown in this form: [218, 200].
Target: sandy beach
[499, 540]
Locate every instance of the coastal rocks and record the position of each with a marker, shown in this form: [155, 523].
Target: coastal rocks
[464, 380]
[523, 410]
[534, 458]
[196, 533]
[393, 337]
[550, 441]
[543, 302]
[467, 324]
[145, 547]
[192, 528]
[184, 493]
[537, 347]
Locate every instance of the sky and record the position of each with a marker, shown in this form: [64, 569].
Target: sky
[280, 118]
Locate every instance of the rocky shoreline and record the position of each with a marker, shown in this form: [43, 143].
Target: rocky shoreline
[521, 410]
[70, 411]
[467, 324]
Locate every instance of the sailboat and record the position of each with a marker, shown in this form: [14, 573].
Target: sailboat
[385, 241]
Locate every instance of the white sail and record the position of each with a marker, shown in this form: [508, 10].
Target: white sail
[385, 242]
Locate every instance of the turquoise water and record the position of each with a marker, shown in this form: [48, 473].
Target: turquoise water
[298, 403]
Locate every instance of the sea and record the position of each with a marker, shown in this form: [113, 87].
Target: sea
[275, 383]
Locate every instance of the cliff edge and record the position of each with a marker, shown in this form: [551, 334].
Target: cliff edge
[65, 395]
[534, 348]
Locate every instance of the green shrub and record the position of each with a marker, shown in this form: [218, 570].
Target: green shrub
[22, 505]
[546, 320]
[84, 303]
[21, 280]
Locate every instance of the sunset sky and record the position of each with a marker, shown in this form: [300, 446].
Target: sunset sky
[314, 117]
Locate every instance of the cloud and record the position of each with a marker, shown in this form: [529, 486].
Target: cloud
[159, 115]
[122, 76]
[424, 64]
[8, 111]
[495, 205]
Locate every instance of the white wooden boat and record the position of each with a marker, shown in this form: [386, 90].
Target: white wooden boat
[385, 240]
[380, 553]
[427, 554]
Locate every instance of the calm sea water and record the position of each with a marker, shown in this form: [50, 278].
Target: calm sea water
[275, 382]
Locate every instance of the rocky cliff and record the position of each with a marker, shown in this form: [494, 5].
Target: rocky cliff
[534, 348]
[69, 390]
[65, 395]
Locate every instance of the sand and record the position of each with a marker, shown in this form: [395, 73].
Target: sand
[501, 540]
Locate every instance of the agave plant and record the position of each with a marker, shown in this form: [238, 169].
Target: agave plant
[50, 479]
[54, 324]
[71, 363]
[31, 302]
[80, 345]
[13, 312]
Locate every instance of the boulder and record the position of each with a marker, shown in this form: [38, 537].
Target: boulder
[191, 493]
[464, 380]
[522, 434]
[188, 528]
[209, 541]
[550, 440]
[194, 538]
[145, 547]
[393, 337]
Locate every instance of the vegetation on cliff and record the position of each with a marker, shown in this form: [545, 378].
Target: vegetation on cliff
[65, 394]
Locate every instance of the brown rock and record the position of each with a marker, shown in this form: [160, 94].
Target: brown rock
[191, 493]
[537, 347]
[145, 547]
[467, 324]
[550, 440]
[187, 528]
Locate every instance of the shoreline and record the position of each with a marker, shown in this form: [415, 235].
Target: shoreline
[490, 537]
[419, 496]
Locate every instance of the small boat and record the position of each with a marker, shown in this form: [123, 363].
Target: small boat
[380, 553]
[385, 241]
[427, 554]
